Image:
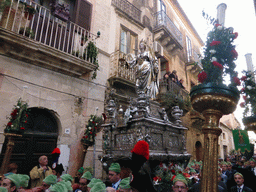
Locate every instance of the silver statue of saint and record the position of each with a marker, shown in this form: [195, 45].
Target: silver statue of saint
[146, 65]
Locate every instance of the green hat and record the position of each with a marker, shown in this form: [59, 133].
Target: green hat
[19, 180]
[68, 185]
[24, 179]
[58, 187]
[115, 167]
[252, 160]
[192, 170]
[93, 182]
[81, 170]
[87, 175]
[180, 177]
[3, 189]
[50, 179]
[237, 173]
[125, 183]
[229, 163]
[67, 177]
[223, 163]
[99, 187]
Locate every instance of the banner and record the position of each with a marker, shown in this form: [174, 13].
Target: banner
[241, 140]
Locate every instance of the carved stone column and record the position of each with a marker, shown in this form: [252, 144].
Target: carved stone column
[6, 161]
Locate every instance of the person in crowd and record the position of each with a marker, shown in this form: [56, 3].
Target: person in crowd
[166, 79]
[12, 169]
[39, 172]
[79, 174]
[67, 177]
[124, 185]
[180, 183]
[114, 175]
[221, 183]
[240, 187]
[84, 181]
[47, 182]
[15, 182]
[173, 76]
[99, 187]
[180, 83]
[92, 183]
[58, 170]
[197, 167]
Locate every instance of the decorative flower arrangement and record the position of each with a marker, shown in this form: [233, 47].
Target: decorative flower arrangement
[92, 128]
[249, 94]
[164, 175]
[219, 57]
[18, 118]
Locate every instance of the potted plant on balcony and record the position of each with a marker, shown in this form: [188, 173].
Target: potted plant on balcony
[8, 14]
[249, 104]
[29, 11]
[92, 56]
[28, 32]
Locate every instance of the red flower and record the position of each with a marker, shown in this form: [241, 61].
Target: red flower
[186, 175]
[173, 171]
[86, 136]
[9, 124]
[155, 178]
[25, 121]
[22, 128]
[173, 177]
[180, 171]
[242, 104]
[243, 78]
[213, 43]
[236, 80]
[95, 135]
[93, 122]
[217, 25]
[235, 35]
[244, 97]
[161, 164]
[90, 132]
[26, 115]
[159, 178]
[202, 76]
[234, 53]
[216, 64]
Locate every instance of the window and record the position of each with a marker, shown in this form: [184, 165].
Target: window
[224, 136]
[161, 6]
[189, 48]
[128, 41]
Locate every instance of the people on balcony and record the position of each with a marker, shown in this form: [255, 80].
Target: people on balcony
[174, 77]
[146, 65]
[180, 83]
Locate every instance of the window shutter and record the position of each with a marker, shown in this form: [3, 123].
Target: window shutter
[83, 14]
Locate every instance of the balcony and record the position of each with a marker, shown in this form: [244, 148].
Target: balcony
[120, 72]
[171, 94]
[124, 7]
[193, 63]
[44, 40]
[166, 33]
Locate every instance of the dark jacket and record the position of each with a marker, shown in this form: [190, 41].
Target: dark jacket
[245, 189]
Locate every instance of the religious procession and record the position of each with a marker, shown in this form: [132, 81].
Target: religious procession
[125, 96]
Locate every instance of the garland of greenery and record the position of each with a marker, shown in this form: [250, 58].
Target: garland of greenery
[92, 128]
[219, 56]
[18, 118]
[92, 56]
[249, 91]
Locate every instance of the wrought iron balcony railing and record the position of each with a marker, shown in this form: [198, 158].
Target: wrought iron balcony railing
[195, 58]
[175, 89]
[127, 8]
[43, 28]
[161, 19]
[120, 69]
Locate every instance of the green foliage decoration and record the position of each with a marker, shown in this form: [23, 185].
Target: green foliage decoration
[18, 118]
[249, 94]
[92, 56]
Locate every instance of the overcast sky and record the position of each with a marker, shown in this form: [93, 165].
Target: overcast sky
[240, 15]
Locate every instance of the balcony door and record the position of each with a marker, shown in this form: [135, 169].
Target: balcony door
[40, 138]
[161, 10]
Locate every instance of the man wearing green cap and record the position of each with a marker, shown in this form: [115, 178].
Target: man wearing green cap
[98, 187]
[15, 181]
[92, 183]
[114, 175]
[79, 174]
[180, 183]
[124, 185]
[84, 180]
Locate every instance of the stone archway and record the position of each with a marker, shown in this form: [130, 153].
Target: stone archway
[40, 138]
[199, 148]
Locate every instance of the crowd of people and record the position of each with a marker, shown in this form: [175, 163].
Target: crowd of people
[173, 77]
[234, 175]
